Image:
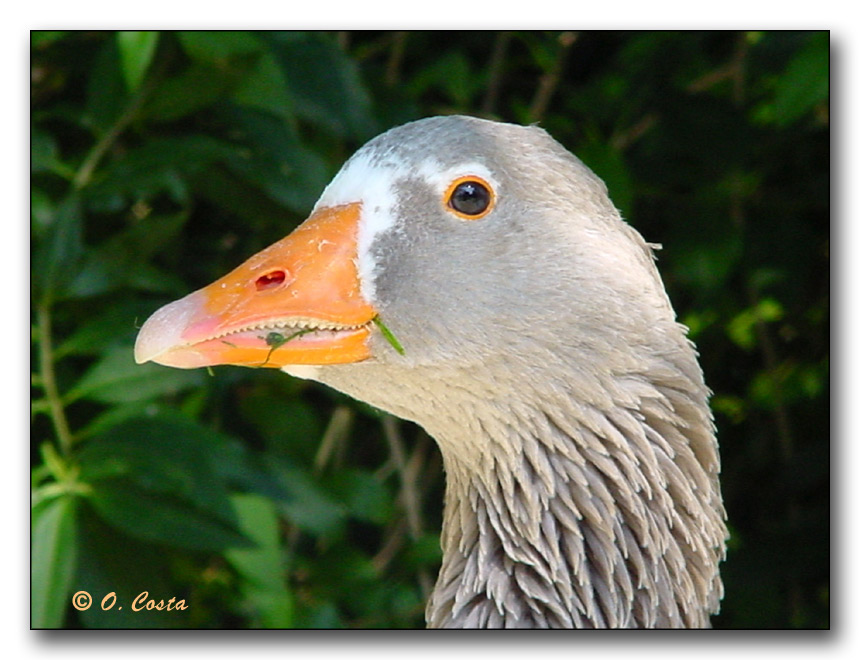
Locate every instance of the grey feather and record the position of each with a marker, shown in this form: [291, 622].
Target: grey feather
[543, 355]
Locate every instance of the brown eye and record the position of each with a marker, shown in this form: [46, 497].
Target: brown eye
[470, 197]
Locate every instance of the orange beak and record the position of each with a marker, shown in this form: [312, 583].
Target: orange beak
[296, 302]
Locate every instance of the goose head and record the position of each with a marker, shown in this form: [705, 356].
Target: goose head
[475, 278]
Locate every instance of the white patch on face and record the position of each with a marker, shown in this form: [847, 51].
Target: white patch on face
[439, 178]
[369, 178]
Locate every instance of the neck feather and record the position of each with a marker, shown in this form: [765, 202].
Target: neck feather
[584, 515]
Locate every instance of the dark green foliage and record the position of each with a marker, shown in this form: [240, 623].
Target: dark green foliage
[162, 160]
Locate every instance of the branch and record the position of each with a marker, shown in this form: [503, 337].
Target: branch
[337, 430]
[549, 80]
[392, 68]
[495, 71]
[408, 493]
[49, 381]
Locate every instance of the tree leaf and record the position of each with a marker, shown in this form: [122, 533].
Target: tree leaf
[215, 47]
[107, 94]
[111, 561]
[167, 453]
[117, 324]
[262, 567]
[608, 163]
[161, 165]
[43, 151]
[741, 329]
[265, 88]
[805, 82]
[162, 518]
[120, 261]
[309, 506]
[365, 495]
[136, 50]
[198, 86]
[117, 379]
[152, 477]
[325, 84]
[289, 426]
[53, 560]
[155, 478]
[288, 172]
[56, 258]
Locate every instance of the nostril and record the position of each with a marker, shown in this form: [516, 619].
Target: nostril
[270, 280]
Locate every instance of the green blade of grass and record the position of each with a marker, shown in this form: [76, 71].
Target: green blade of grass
[389, 336]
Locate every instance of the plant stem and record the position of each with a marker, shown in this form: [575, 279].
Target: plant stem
[85, 172]
[49, 382]
[410, 496]
[336, 433]
[549, 80]
[100, 148]
[495, 72]
[395, 59]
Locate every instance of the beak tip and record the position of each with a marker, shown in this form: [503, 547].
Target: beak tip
[163, 330]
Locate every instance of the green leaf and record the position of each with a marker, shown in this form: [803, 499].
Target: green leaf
[365, 495]
[346, 567]
[136, 50]
[43, 151]
[805, 82]
[424, 552]
[318, 616]
[162, 518]
[120, 261]
[117, 414]
[731, 406]
[53, 560]
[161, 165]
[278, 164]
[167, 452]
[117, 324]
[241, 469]
[111, 561]
[117, 379]
[164, 453]
[265, 88]
[703, 251]
[312, 509]
[41, 212]
[451, 74]
[153, 478]
[107, 94]
[214, 47]
[44, 38]
[326, 85]
[262, 567]
[56, 258]
[698, 321]
[199, 86]
[608, 163]
[288, 425]
[741, 329]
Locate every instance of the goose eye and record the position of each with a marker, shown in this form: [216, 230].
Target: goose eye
[470, 197]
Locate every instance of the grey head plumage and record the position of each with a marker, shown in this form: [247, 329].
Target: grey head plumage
[543, 355]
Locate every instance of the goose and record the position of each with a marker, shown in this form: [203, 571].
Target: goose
[474, 277]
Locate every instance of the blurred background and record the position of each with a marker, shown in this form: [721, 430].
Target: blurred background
[161, 160]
